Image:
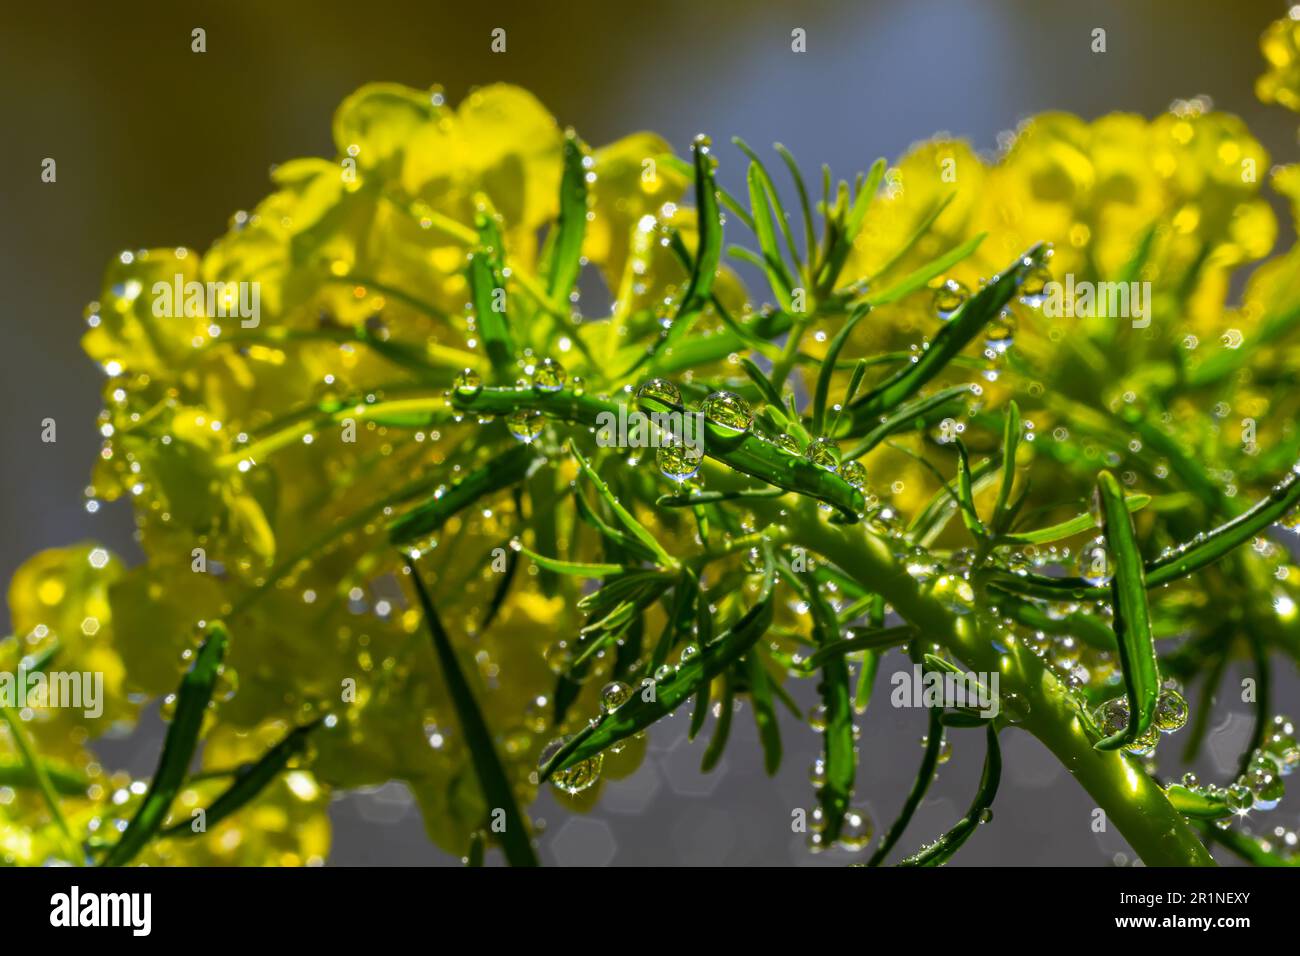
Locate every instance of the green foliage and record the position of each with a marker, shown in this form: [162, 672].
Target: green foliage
[601, 562]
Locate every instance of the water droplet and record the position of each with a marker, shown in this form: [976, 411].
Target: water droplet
[613, 696]
[1171, 711]
[1265, 784]
[658, 395]
[921, 566]
[727, 413]
[855, 474]
[525, 424]
[468, 383]
[817, 719]
[1033, 286]
[1095, 563]
[581, 776]
[787, 443]
[855, 831]
[227, 684]
[1145, 745]
[823, 453]
[949, 297]
[679, 462]
[1112, 716]
[559, 657]
[1000, 333]
[549, 376]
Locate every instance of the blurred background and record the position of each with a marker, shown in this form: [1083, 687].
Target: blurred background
[158, 146]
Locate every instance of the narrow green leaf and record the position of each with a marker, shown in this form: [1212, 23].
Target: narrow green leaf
[708, 252]
[624, 516]
[713, 497]
[250, 781]
[1066, 529]
[65, 781]
[492, 778]
[193, 697]
[942, 850]
[722, 729]
[924, 777]
[1181, 561]
[575, 568]
[1247, 847]
[501, 472]
[860, 639]
[1010, 444]
[681, 615]
[918, 414]
[487, 292]
[837, 737]
[966, 494]
[38, 772]
[570, 225]
[810, 233]
[1137, 650]
[760, 694]
[749, 454]
[1088, 628]
[1197, 803]
[915, 237]
[822, 390]
[765, 386]
[842, 242]
[477, 849]
[778, 276]
[611, 534]
[660, 698]
[956, 334]
[701, 712]
[855, 381]
[866, 681]
[502, 590]
[774, 200]
[919, 278]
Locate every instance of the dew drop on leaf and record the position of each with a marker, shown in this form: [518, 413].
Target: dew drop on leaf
[728, 413]
[549, 376]
[525, 424]
[949, 297]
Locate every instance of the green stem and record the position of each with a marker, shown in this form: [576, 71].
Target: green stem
[1131, 800]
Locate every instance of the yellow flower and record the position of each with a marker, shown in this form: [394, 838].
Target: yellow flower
[1281, 47]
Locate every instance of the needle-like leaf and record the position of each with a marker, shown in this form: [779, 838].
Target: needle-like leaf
[497, 792]
[942, 850]
[250, 781]
[659, 698]
[1137, 649]
[178, 748]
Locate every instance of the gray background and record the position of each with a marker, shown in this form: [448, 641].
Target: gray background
[158, 147]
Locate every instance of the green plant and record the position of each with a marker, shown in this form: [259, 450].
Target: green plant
[887, 461]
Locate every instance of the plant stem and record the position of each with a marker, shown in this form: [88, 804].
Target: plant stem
[1131, 800]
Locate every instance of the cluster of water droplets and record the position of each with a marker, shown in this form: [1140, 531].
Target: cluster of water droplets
[1112, 718]
[1261, 786]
